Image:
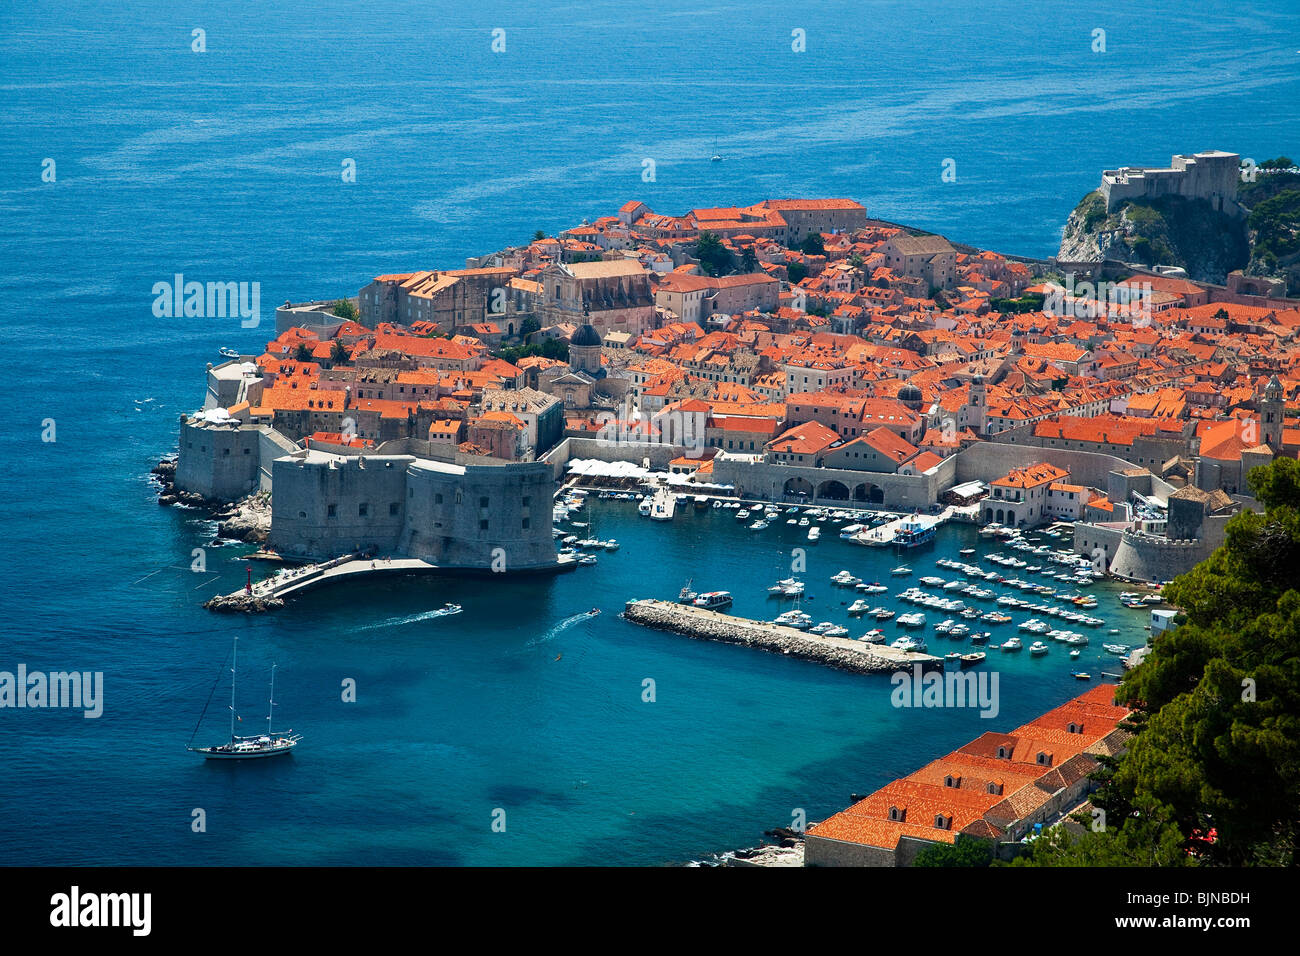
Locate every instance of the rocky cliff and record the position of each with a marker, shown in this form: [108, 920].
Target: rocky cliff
[1167, 231]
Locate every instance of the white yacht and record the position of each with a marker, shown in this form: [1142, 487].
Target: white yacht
[269, 744]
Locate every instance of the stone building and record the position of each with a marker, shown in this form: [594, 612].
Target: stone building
[1211, 175]
[930, 258]
[449, 298]
[463, 513]
[611, 296]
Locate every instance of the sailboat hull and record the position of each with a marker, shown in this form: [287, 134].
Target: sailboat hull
[251, 755]
[246, 750]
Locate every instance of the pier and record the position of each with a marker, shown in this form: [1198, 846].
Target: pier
[842, 652]
[271, 592]
[885, 535]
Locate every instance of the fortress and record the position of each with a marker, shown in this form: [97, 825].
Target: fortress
[1211, 175]
[408, 498]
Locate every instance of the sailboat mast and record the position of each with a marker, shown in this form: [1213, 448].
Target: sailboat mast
[271, 712]
[234, 657]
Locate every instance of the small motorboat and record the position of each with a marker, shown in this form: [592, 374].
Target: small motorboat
[1081, 675]
[970, 660]
[1038, 648]
[901, 571]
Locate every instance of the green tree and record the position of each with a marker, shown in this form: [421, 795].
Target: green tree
[339, 353]
[345, 309]
[714, 257]
[797, 272]
[528, 327]
[539, 235]
[302, 353]
[812, 245]
[966, 851]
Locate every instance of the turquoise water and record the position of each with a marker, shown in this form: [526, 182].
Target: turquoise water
[225, 166]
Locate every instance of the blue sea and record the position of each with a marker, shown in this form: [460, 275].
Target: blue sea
[225, 165]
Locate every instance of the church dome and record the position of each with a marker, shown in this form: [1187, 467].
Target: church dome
[586, 336]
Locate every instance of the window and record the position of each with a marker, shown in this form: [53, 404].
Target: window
[483, 525]
[392, 508]
[363, 510]
[528, 500]
[526, 524]
[331, 511]
[437, 499]
[483, 502]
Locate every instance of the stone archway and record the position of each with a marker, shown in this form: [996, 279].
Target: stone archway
[833, 490]
[797, 488]
[999, 516]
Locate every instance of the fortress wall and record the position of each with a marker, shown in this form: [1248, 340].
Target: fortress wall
[479, 517]
[987, 461]
[270, 446]
[1143, 558]
[302, 524]
[766, 481]
[217, 461]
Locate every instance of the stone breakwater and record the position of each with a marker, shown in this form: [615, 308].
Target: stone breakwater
[241, 602]
[842, 653]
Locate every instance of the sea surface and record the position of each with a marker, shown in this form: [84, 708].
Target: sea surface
[225, 165]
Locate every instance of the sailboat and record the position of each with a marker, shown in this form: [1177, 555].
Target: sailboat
[269, 744]
[716, 158]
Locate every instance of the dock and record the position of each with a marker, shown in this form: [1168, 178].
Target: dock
[841, 652]
[885, 535]
[271, 592]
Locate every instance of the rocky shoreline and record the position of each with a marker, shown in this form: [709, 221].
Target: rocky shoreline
[242, 603]
[248, 519]
[711, 626]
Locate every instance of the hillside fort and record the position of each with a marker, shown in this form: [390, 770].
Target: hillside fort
[1211, 175]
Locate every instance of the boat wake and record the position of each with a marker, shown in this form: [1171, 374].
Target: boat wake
[414, 618]
[562, 626]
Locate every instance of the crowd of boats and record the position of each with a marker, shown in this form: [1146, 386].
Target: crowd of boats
[1050, 580]
[961, 618]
